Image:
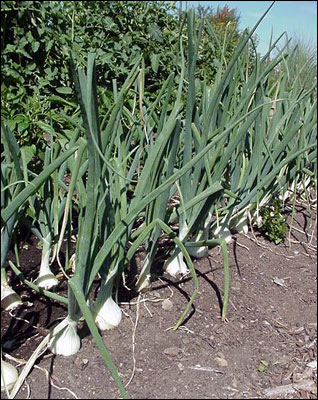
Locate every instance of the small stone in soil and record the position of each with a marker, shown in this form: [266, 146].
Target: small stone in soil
[172, 351]
[167, 305]
[180, 366]
[221, 362]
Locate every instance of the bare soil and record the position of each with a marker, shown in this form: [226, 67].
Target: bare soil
[267, 342]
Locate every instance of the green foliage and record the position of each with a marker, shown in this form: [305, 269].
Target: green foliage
[36, 38]
[300, 67]
[32, 38]
[303, 66]
[33, 58]
[120, 31]
[273, 223]
[216, 52]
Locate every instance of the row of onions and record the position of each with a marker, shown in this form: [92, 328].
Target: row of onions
[193, 165]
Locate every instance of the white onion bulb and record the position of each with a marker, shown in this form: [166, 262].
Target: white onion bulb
[175, 265]
[106, 311]
[66, 342]
[9, 375]
[46, 279]
[9, 298]
[109, 315]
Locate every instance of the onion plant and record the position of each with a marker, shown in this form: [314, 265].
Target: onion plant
[46, 208]
[12, 182]
[255, 153]
[16, 206]
[189, 185]
[102, 188]
[159, 166]
[97, 216]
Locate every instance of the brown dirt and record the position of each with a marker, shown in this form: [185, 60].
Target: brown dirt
[267, 341]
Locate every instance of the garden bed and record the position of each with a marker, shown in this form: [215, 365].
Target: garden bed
[268, 340]
[141, 167]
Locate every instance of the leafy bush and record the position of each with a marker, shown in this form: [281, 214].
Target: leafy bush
[36, 38]
[273, 223]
